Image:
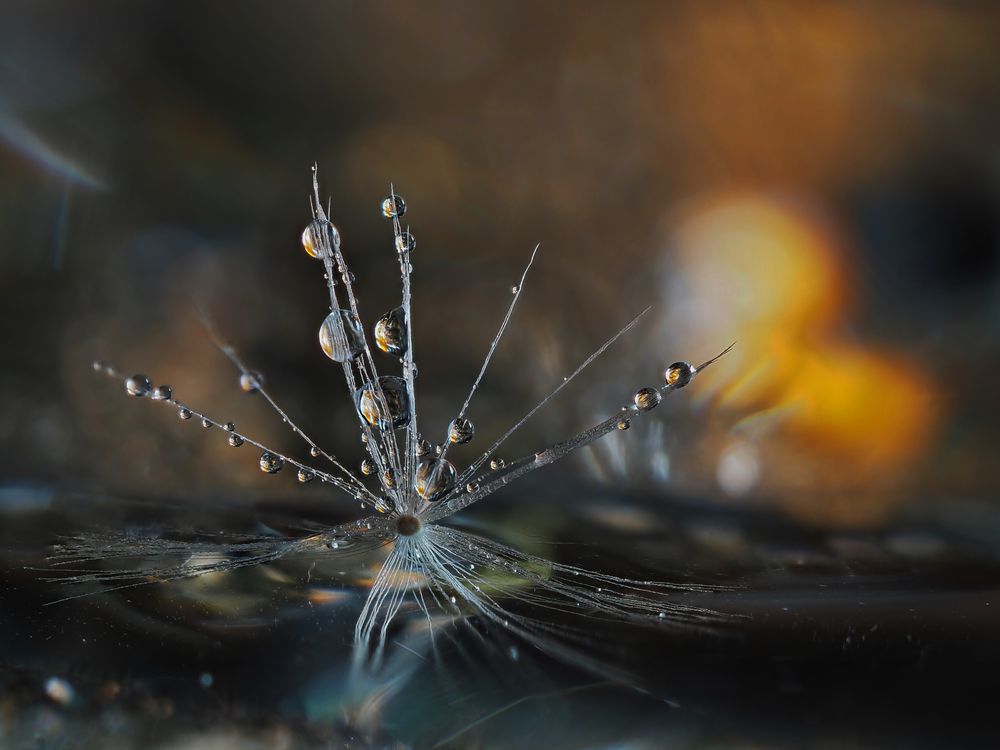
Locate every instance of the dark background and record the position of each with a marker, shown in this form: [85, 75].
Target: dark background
[815, 180]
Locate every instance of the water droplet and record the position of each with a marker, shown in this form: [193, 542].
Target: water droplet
[184, 413]
[461, 431]
[679, 374]
[646, 399]
[206, 422]
[367, 467]
[515, 289]
[391, 408]
[162, 393]
[434, 478]
[393, 207]
[623, 423]
[305, 476]
[98, 365]
[405, 242]
[390, 332]
[270, 463]
[251, 382]
[341, 337]
[229, 426]
[138, 386]
[496, 463]
[313, 237]
[314, 451]
[472, 486]
[424, 448]
[388, 479]
[661, 615]
[235, 440]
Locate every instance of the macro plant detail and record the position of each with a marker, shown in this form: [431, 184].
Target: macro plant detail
[413, 488]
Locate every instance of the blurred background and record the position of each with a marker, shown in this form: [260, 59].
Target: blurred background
[817, 181]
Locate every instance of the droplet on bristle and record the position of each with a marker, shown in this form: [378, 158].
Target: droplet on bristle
[435, 477]
[162, 393]
[341, 337]
[305, 476]
[367, 467]
[424, 448]
[251, 382]
[461, 431]
[623, 423]
[270, 463]
[229, 426]
[405, 242]
[315, 452]
[206, 422]
[393, 207]
[646, 399]
[388, 479]
[235, 440]
[679, 374]
[391, 408]
[390, 332]
[138, 386]
[496, 463]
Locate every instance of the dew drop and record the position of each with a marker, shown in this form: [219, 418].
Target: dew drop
[461, 431]
[229, 426]
[184, 413]
[305, 476]
[390, 409]
[251, 382]
[162, 393]
[390, 332]
[623, 423]
[270, 463]
[98, 365]
[679, 374]
[312, 237]
[341, 337]
[472, 486]
[235, 440]
[424, 448]
[367, 467]
[388, 479]
[405, 242]
[206, 422]
[314, 451]
[496, 463]
[435, 477]
[138, 386]
[646, 399]
[515, 289]
[393, 207]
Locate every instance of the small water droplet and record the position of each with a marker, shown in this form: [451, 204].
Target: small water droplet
[313, 237]
[390, 332]
[229, 426]
[271, 463]
[314, 451]
[367, 467]
[206, 422]
[138, 386]
[435, 477]
[623, 423]
[472, 487]
[514, 289]
[305, 476]
[405, 242]
[388, 479]
[646, 399]
[390, 409]
[678, 374]
[496, 463]
[393, 207]
[461, 431]
[341, 337]
[184, 413]
[162, 393]
[235, 440]
[251, 382]
[424, 447]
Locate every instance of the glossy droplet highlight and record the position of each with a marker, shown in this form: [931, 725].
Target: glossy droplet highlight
[162, 393]
[305, 476]
[138, 386]
[313, 237]
[435, 477]
[184, 413]
[385, 405]
[405, 242]
[679, 374]
[250, 382]
[235, 440]
[341, 337]
[271, 463]
[393, 207]
[646, 399]
[461, 430]
[367, 467]
[390, 332]
[496, 463]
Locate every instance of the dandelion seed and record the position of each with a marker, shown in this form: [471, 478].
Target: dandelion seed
[428, 563]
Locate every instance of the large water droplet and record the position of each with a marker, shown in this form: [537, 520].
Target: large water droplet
[461, 430]
[435, 478]
[341, 336]
[138, 386]
[393, 207]
[251, 382]
[646, 399]
[313, 237]
[405, 242]
[391, 408]
[390, 332]
[270, 463]
[367, 467]
[679, 374]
